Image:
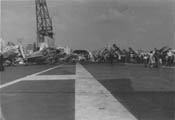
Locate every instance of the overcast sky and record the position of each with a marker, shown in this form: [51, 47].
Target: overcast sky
[91, 24]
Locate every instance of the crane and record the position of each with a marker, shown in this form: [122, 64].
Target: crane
[43, 23]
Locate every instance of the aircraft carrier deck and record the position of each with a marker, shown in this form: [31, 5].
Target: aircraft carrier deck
[87, 92]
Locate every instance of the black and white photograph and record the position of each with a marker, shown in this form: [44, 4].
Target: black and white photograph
[87, 59]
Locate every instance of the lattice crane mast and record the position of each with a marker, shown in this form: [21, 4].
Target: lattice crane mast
[43, 22]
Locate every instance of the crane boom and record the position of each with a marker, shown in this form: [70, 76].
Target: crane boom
[43, 22]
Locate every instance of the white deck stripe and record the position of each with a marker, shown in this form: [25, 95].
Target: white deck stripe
[95, 102]
[50, 77]
[46, 70]
[171, 67]
[1, 116]
[161, 66]
[24, 78]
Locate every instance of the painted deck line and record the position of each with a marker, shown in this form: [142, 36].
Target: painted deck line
[46, 70]
[50, 77]
[1, 116]
[161, 66]
[171, 67]
[95, 102]
[28, 76]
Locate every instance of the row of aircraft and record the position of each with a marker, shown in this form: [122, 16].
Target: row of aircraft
[14, 54]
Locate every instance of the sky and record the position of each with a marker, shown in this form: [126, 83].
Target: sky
[92, 24]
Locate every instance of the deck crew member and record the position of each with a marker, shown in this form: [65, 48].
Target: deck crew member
[1, 62]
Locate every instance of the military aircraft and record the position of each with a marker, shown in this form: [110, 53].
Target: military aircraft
[83, 55]
[44, 56]
[12, 53]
